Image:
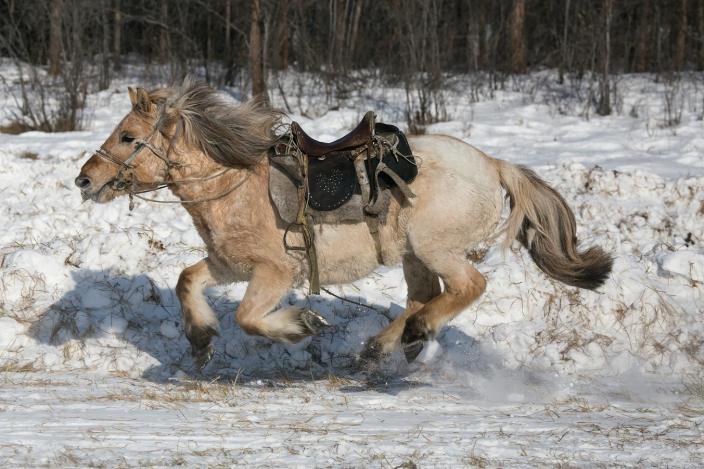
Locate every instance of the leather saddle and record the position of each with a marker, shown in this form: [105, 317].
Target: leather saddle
[333, 180]
[347, 180]
[314, 148]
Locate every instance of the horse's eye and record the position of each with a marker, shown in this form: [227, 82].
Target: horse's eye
[127, 139]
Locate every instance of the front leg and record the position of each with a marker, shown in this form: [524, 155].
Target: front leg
[199, 320]
[256, 314]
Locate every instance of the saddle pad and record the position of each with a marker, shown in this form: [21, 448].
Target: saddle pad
[284, 193]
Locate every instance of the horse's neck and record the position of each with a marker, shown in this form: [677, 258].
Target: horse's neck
[253, 181]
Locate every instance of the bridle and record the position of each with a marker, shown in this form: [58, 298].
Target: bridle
[129, 183]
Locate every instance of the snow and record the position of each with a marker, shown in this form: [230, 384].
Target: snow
[94, 367]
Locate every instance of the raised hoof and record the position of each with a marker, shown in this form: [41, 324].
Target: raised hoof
[314, 321]
[202, 349]
[202, 356]
[411, 351]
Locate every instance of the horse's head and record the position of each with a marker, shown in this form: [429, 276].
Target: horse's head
[132, 158]
[206, 132]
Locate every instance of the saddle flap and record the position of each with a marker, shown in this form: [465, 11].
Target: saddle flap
[332, 181]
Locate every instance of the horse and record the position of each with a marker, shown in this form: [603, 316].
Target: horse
[213, 156]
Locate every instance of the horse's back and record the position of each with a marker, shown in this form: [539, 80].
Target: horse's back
[442, 153]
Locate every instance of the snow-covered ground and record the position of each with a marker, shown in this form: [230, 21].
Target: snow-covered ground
[95, 371]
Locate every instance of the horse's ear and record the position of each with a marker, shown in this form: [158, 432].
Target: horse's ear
[143, 101]
[133, 95]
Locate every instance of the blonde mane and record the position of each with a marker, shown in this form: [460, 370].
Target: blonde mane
[233, 136]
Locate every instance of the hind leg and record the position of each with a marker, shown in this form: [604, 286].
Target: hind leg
[451, 218]
[463, 285]
[423, 286]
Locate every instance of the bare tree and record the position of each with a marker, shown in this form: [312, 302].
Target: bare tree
[605, 104]
[565, 29]
[257, 54]
[55, 38]
[517, 39]
[282, 55]
[644, 38]
[164, 33]
[105, 62]
[117, 38]
[355, 29]
[700, 24]
[681, 35]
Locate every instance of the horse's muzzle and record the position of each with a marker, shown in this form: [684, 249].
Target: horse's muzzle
[84, 183]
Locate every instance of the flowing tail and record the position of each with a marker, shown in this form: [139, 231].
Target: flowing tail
[544, 224]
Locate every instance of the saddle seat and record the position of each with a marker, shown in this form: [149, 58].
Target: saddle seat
[358, 137]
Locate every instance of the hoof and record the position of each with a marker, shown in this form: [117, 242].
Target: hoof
[202, 348]
[314, 321]
[411, 351]
[415, 334]
[202, 356]
[368, 359]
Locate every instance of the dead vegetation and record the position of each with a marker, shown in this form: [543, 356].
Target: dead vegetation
[15, 127]
[28, 155]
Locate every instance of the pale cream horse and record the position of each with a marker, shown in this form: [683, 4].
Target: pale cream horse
[203, 148]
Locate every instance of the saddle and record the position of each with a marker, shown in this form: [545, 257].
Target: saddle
[348, 180]
[358, 137]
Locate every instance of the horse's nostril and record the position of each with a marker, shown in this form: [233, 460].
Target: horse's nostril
[84, 183]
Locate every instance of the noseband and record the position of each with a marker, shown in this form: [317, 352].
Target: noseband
[129, 183]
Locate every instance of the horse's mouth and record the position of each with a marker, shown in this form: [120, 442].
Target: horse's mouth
[103, 194]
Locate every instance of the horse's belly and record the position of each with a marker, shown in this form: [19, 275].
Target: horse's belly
[346, 252]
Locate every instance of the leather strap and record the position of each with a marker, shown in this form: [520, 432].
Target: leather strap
[371, 219]
[376, 207]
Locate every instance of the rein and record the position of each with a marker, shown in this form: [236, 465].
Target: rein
[122, 183]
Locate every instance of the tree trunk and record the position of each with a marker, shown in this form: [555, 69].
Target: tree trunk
[282, 41]
[605, 107]
[208, 42]
[563, 63]
[355, 29]
[117, 39]
[682, 35]
[642, 65]
[700, 21]
[105, 69]
[482, 37]
[228, 33]
[55, 38]
[164, 36]
[517, 37]
[256, 53]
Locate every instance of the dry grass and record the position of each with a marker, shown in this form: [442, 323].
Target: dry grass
[28, 155]
[15, 127]
[15, 366]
